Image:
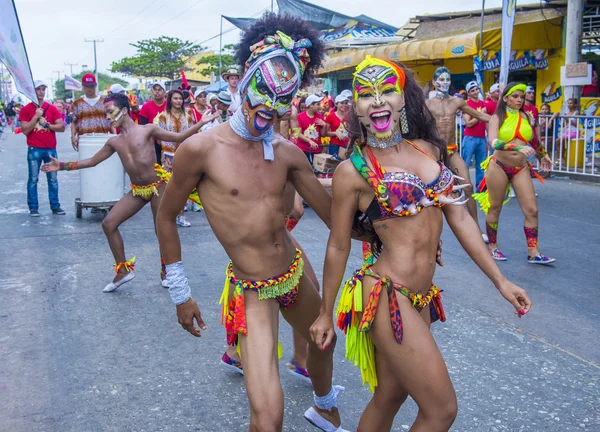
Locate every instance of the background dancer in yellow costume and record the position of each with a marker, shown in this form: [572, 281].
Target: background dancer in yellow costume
[397, 178]
[511, 136]
[444, 108]
[242, 166]
[135, 147]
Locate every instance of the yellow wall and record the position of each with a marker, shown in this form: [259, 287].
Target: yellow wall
[551, 76]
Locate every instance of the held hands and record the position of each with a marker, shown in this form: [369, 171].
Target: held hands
[186, 313]
[322, 331]
[546, 164]
[52, 166]
[515, 296]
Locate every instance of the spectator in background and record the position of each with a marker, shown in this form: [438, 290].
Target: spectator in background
[219, 113]
[117, 89]
[335, 125]
[134, 108]
[474, 142]
[311, 125]
[200, 107]
[232, 77]
[89, 115]
[548, 131]
[174, 119]
[492, 101]
[326, 104]
[40, 123]
[12, 111]
[152, 108]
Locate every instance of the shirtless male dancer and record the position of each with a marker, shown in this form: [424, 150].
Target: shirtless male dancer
[240, 169]
[444, 108]
[135, 147]
[294, 211]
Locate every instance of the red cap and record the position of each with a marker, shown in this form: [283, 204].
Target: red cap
[88, 80]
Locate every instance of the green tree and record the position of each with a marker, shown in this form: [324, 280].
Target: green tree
[104, 81]
[211, 62]
[161, 57]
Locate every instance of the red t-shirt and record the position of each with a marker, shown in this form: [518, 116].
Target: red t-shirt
[150, 110]
[334, 123]
[490, 106]
[310, 130]
[40, 137]
[532, 111]
[135, 116]
[479, 129]
[197, 115]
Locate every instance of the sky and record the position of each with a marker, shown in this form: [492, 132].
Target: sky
[55, 32]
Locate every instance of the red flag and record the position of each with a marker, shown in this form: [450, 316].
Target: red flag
[184, 81]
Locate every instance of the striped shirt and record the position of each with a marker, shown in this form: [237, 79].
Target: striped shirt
[171, 123]
[90, 118]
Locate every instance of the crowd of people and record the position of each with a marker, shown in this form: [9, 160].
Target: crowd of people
[250, 149]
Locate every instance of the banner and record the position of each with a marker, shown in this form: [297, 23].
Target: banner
[518, 60]
[12, 49]
[509, 10]
[355, 30]
[72, 84]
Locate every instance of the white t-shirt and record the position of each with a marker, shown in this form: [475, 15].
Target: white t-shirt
[92, 101]
[236, 100]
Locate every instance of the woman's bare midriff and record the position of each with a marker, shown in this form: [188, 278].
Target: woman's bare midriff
[409, 248]
[511, 158]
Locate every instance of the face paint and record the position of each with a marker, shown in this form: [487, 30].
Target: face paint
[442, 83]
[379, 98]
[273, 85]
[114, 116]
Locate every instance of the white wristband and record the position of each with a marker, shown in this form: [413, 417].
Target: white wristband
[179, 288]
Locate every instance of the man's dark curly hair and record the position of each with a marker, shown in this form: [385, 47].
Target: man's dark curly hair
[294, 27]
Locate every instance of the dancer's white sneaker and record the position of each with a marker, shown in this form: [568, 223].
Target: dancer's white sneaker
[485, 238]
[114, 285]
[317, 420]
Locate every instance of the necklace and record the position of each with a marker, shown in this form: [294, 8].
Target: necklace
[512, 110]
[238, 125]
[373, 141]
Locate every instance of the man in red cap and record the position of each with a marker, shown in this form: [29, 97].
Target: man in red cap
[88, 112]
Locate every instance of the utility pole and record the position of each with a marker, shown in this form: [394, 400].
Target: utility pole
[94, 41]
[56, 85]
[573, 42]
[71, 65]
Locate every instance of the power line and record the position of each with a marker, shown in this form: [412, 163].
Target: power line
[129, 22]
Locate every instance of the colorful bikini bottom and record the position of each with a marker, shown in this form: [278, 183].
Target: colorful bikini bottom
[283, 288]
[148, 191]
[483, 198]
[356, 320]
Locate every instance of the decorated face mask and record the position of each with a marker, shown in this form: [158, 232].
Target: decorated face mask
[442, 82]
[378, 96]
[273, 85]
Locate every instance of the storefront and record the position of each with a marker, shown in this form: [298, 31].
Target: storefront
[537, 57]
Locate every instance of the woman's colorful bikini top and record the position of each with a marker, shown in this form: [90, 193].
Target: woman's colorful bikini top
[403, 194]
[514, 127]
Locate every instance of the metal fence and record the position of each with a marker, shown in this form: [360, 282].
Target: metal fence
[572, 143]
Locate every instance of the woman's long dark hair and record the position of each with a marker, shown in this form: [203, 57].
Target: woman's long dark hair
[421, 125]
[501, 107]
[170, 98]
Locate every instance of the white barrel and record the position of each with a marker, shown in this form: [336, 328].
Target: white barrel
[104, 182]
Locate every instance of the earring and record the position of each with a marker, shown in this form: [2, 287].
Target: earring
[403, 121]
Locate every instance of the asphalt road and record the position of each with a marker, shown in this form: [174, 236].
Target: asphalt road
[75, 359]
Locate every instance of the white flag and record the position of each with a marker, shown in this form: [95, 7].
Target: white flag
[72, 84]
[509, 10]
[12, 49]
